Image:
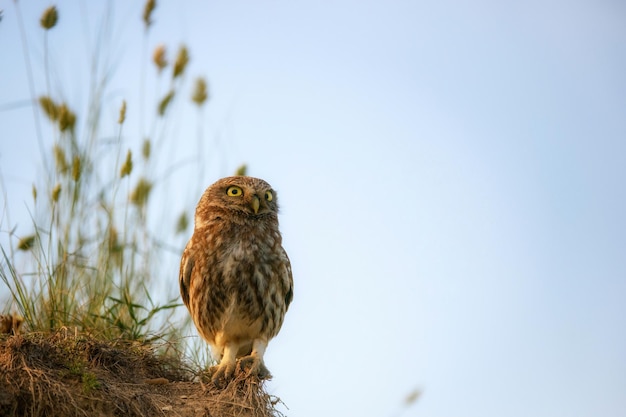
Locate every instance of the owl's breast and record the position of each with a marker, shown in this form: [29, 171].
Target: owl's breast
[241, 281]
[247, 265]
[252, 271]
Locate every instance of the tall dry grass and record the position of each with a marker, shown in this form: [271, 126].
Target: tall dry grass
[91, 261]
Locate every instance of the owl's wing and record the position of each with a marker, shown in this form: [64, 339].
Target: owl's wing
[289, 293]
[186, 267]
[289, 296]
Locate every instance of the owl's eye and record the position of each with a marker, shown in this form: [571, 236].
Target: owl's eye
[234, 191]
[268, 196]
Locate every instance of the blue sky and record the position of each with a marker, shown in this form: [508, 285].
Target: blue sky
[451, 176]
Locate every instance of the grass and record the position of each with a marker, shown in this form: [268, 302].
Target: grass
[89, 261]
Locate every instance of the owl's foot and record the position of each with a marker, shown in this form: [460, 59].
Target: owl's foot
[253, 365]
[222, 373]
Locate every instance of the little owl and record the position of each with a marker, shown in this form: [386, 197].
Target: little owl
[235, 277]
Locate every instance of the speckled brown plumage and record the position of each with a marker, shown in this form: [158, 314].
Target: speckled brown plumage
[235, 276]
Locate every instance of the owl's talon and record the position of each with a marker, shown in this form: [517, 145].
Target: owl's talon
[222, 374]
[252, 365]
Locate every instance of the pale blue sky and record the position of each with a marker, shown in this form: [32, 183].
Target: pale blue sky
[451, 177]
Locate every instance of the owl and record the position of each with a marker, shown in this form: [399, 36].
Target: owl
[235, 277]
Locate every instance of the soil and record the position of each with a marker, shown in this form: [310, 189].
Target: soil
[61, 374]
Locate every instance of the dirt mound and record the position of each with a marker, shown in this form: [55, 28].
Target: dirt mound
[78, 375]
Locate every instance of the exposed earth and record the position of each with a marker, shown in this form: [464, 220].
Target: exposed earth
[67, 374]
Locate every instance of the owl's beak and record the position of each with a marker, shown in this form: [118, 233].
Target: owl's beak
[255, 204]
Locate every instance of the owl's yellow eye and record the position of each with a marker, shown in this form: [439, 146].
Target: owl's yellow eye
[234, 191]
[268, 196]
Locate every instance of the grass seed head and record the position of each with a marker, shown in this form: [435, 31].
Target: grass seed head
[56, 191]
[49, 107]
[158, 57]
[122, 117]
[182, 59]
[127, 167]
[49, 18]
[114, 244]
[242, 170]
[147, 12]
[76, 168]
[139, 196]
[59, 159]
[182, 223]
[200, 93]
[146, 148]
[165, 102]
[67, 118]
[26, 243]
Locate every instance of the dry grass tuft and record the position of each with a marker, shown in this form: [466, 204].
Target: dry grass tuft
[68, 374]
[244, 396]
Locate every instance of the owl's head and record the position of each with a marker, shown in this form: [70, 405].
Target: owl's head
[248, 196]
